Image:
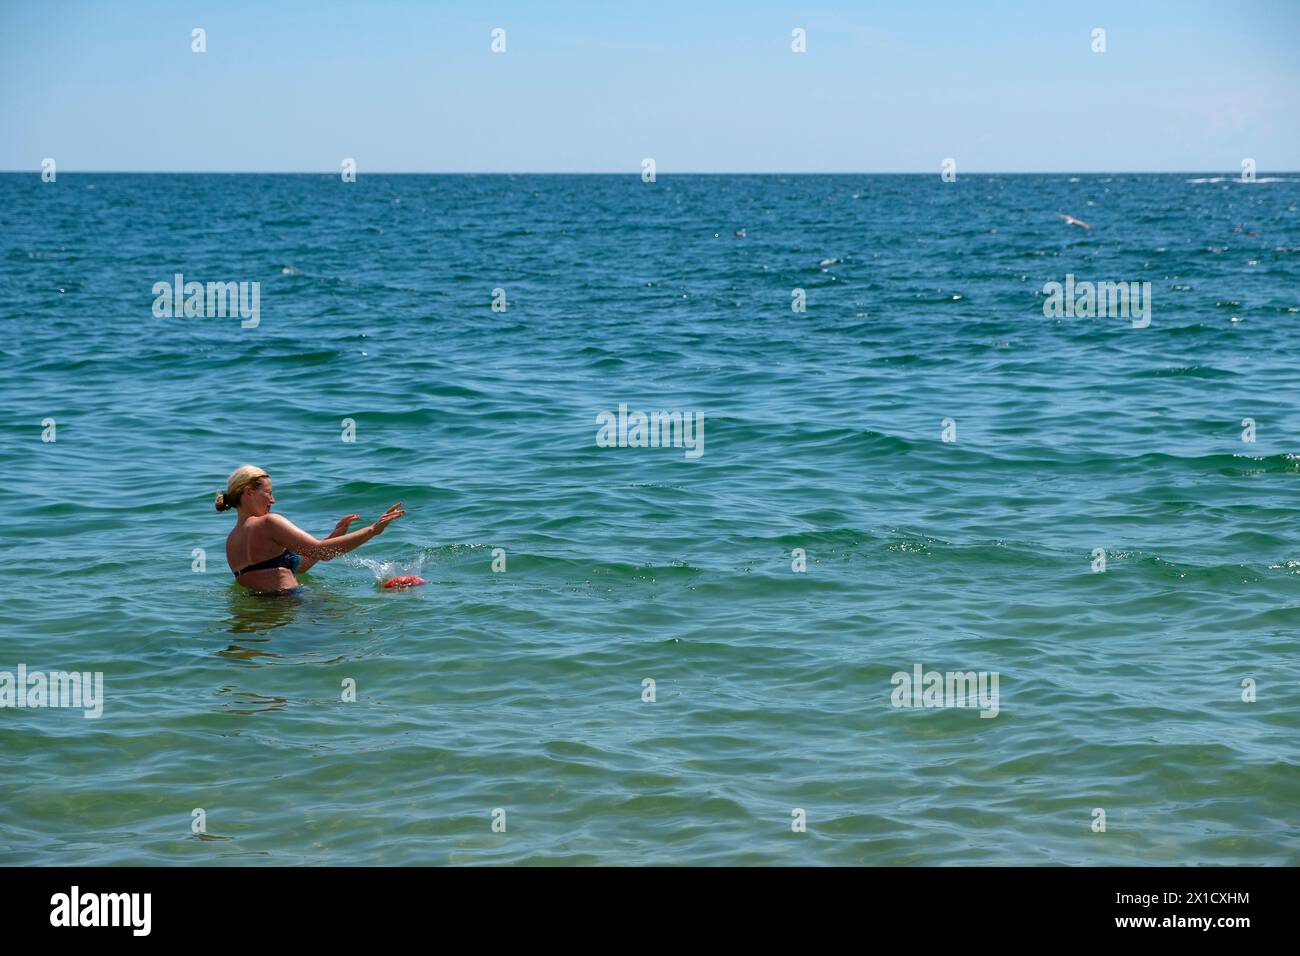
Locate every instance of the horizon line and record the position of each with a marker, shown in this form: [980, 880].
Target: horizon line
[1234, 174]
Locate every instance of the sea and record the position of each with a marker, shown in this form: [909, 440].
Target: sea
[767, 520]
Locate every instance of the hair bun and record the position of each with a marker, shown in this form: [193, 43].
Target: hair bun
[221, 501]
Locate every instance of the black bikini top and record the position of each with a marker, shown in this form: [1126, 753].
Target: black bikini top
[286, 559]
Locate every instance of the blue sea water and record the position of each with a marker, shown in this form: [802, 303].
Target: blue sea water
[1161, 690]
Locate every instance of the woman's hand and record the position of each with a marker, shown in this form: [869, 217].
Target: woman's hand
[342, 527]
[392, 514]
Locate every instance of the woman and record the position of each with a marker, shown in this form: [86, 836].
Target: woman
[265, 550]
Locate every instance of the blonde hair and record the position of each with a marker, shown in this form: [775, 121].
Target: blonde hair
[239, 480]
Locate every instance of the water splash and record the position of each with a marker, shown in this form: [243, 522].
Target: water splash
[383, 570]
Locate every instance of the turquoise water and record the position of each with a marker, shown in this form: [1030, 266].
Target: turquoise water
[823, 430]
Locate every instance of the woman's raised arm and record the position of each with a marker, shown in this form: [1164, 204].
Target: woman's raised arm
[288, 535]
[339, 531]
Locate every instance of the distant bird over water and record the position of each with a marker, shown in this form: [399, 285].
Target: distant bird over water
[1071, 221]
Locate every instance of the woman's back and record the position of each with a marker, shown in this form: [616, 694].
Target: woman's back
[249, 543]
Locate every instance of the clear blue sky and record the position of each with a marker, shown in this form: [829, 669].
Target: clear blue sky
[295, 86]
